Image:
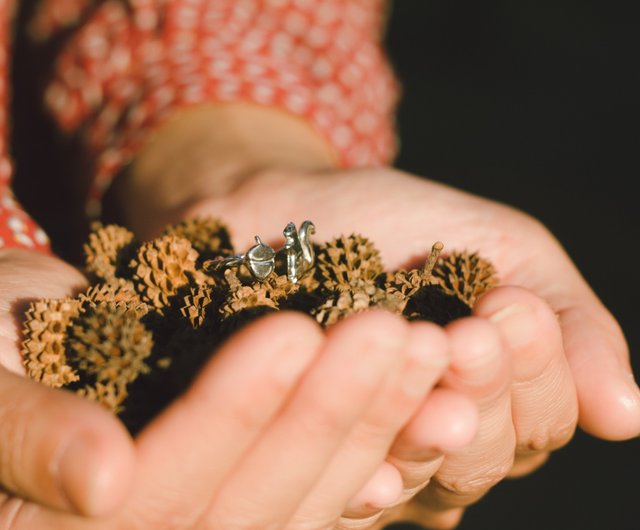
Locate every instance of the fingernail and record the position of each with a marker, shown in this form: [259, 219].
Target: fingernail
[81, 476]
[517, 324]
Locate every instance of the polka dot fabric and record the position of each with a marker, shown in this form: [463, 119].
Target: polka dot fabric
[130, 64]
[16, 228]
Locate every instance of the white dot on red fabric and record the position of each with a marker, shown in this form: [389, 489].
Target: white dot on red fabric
[278, 3]
[318, 37]
[2, 242]
[365, 122]
[342, 136]
[329, 93]
[295, 23]
[254, 69]
[17, 225]
[8, 202]
[5, 169]
[281, 44]
[263, 93]
[327, 13]
[40, 236]
[24, 239]
[322, 68]
[296, 102]
[228, 89]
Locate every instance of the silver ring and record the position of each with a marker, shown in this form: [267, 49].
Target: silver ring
[260, 259]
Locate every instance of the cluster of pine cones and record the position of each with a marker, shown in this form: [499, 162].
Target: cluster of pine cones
[154, 312]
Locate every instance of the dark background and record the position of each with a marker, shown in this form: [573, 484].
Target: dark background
[535, 103]
[530, 103]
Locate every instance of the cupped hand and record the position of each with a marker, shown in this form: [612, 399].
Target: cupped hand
[540, 353]
[276, 433]
[56, 450]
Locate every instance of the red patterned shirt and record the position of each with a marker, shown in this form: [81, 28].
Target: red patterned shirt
[130, 63]
[16, 228]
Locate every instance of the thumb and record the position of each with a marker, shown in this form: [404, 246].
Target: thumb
[61, 451]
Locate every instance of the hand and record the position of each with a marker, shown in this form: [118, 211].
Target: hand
[249, 444]
[57, 450]
[547, 345]
[561, 342]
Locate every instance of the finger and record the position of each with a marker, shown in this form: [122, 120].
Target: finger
[61, 451]
[383, 489]
[446, 422]
[481, 370]
[234, 398]
[608, 397]
[272, 480]
[425, 359]
[543, 397]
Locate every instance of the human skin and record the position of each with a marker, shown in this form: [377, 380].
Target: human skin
[68, 463]
[540, 354]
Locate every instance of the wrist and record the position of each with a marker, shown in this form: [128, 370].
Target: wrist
[208, 152]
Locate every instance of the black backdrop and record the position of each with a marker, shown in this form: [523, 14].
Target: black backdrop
[535, 103]
[531, 103]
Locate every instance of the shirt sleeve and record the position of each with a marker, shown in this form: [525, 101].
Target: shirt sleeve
[128, 65]
[17, 229]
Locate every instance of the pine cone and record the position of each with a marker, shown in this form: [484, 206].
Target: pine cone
[103, 249]
[110, 343]
[348, 262]
[195, 305]
[465, 275]
[43, 348]
[163, 266]
[209, 236]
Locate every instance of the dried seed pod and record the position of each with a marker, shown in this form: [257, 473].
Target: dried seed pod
[195, 305]
[343, 303]
[43, 348]
[409, 282]
[348, 262]
[240, 297]
[465, 275]
[110, 343]
[111, 395]
[163, 266]
[118, 290]
[208, 235]
[103, 249]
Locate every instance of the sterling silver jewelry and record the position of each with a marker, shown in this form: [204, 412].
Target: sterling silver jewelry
[260, 259]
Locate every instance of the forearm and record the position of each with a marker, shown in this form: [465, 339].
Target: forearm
[207, 152]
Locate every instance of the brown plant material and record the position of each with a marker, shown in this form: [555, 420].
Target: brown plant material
[43, 350]
[110, 343]
[257, 294]
[208, 235]
[407, 283]
[103, 248]
[162, 267]
[110, 395]
[341, 304]
[195, 305]
[135, 339]
[465, 275]
[348, 262]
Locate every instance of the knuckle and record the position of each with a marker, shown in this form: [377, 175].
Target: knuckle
[471, 485]
[548, 438]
